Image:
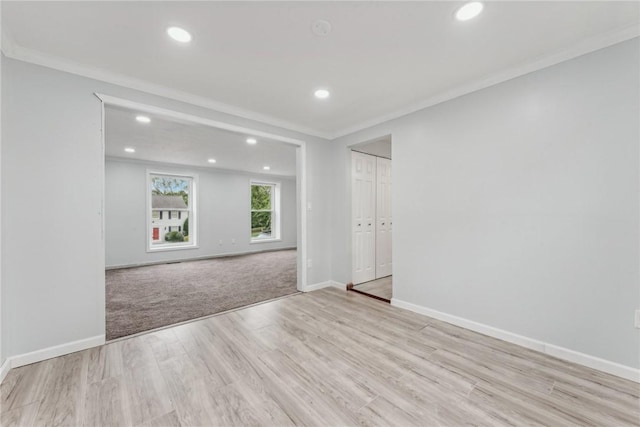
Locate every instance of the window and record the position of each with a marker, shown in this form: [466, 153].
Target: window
[265, 210]
[171, 215]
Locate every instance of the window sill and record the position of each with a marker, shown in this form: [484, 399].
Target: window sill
[164, 248]
[264, 241]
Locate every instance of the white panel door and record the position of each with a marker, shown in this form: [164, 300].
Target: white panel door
[384, 219]
[363, 178]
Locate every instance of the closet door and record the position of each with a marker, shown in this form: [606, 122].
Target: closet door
[363, 178]
[383, 218]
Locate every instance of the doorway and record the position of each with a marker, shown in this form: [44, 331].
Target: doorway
[372, 219]
[200, 217]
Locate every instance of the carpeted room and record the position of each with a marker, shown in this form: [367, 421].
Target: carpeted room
[198, 221]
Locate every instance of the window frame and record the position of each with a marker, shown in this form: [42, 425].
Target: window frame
[192, 213]
[276, 210]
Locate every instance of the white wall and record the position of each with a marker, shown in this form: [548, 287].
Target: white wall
[2, 311]
[223, 211]
[52, 161]
[517, 206]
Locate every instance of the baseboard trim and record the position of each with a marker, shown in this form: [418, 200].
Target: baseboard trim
[321, 285]
[563, 353]
[55, 351]
[4, 369]
[198, 258]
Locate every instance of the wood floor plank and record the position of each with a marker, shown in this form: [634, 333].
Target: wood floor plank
[254, 319]
[261, 399]
[187, 386]
[64, 393]
[105, 362]
[166, 420]
[106, 403]
[476, 370]
[328, 357]
[404, 319]
[147, 394]
[369, 324]
[628, 409]
[21, 416]
[534, 409]
[515, 415]
[309, 389]
[202, 350]
[535, 368]
[230, 408]
[25, 385]
[381, 412]
[164, 344]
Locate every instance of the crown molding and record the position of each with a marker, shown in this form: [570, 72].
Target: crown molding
[12, 50]
[586, 46]
[15, 51]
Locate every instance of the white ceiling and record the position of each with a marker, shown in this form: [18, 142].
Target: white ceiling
[261, 60]
[168, 141]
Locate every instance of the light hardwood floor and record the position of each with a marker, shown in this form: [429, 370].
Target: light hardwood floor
[325, 358]
[381, 288]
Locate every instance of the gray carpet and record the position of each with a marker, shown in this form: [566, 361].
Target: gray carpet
[143, 298]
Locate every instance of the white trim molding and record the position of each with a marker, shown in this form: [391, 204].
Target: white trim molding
[4, 369]
[589, 361]
[49, 353]
[322, 285]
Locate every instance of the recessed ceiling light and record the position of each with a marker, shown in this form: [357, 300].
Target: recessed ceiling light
[251, 141]
[143, 119]
[179, 34]
[211, 160]
[266, 168]
[469, 11]
[130, 150]
[320, 27]
[321, 93]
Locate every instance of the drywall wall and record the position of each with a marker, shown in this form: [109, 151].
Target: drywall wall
[2, 311]
[223, 211]
[52, 161]
[517, 206]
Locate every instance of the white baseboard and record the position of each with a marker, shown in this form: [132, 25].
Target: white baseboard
[55, 351]
[4, 369]
[327, 284]
[593, 362]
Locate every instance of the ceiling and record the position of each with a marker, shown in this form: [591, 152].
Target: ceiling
[166, 140]
[261, 60]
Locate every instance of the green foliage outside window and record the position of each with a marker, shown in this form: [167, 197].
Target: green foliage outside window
[261, 199]
[174, 236]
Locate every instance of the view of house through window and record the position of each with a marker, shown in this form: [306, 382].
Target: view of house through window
[264, 211]
[171, 211]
